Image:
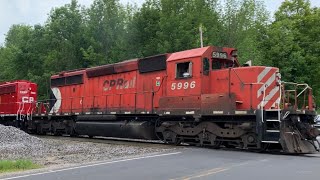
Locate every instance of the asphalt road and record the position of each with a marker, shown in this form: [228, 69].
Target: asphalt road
[193, 163]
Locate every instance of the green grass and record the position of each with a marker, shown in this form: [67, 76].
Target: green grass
[18, 165]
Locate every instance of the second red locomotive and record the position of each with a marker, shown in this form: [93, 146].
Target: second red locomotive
[17, 101]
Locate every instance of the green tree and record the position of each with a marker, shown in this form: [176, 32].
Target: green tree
[23, 56]
[17, 56]
[180, 21]
[244, 23]
[292, 43]
[64, 31]
[142, 30]
[105, 32]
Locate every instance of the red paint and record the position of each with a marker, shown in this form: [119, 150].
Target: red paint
[17, 97]
[121, 88]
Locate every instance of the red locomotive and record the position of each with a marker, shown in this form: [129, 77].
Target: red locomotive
[200, 96]
[17, 101]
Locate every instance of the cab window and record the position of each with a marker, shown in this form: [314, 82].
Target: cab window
[206, 66]
[216, 64]
[184, 70]
[228, 64]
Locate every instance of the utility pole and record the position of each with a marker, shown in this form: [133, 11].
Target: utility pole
[200, 30]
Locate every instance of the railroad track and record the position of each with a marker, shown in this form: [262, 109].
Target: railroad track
[138, 142]
[108, 140]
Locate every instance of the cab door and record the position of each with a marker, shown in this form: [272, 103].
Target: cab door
[205, 73]
[184, 77]
[183, 87]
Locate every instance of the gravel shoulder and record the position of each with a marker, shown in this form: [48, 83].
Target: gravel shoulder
[75, 152]
[53, 153]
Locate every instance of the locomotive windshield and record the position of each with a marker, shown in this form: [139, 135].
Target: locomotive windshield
[216, 64]
[220, 60]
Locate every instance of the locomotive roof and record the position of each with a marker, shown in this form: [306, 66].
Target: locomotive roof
[68, 73]
[146, 64]
[124, 66]
[188, 53]
[12, 82]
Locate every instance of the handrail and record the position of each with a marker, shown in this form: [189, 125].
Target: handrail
[279, 102]
[296, 94]
[29, 111]
[307, 87]
[20, 118]
[17, 117]
[263, 99]
[17, 111]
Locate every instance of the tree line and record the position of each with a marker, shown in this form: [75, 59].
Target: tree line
[75, 36]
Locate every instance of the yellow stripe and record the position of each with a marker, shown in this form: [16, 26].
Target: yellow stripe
[201, 174]
[206, 174]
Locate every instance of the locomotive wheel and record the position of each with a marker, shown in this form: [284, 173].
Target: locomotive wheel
[228, 145]
[73, 133]
[40, 130]
[178, 141]
[170, 137]
[216, 144]
[264, 147]
[55, 132]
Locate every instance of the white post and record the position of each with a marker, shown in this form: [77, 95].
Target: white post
[201, 40]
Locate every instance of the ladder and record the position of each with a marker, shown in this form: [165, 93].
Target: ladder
[271, 126]
[271, 120]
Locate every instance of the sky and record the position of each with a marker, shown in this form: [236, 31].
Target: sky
[33, 12]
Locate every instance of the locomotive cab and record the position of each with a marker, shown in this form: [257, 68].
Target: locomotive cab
[191, 82]
[211, 100]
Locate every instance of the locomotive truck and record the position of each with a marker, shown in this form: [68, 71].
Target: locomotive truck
[200, 97]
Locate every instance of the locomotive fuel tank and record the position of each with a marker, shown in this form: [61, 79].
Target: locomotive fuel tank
[110, 127]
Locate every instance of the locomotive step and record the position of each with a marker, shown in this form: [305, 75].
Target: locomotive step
[271, 135]
[273, 131]
[270, 142]
[273, 120]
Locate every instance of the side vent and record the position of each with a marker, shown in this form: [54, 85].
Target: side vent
[126, 66]
[7, 89]
[68, 80]
[58, 82]
[76, 79]
[100, 71]
[154, 63]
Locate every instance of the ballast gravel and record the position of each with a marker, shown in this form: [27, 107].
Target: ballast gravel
[15, 143]
[47, 151]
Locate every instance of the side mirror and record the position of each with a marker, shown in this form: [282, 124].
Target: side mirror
[248, 63]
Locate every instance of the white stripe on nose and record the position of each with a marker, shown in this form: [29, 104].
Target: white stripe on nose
[263, 73]
[269, 96]
[267, 84]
